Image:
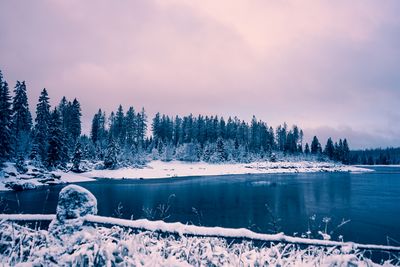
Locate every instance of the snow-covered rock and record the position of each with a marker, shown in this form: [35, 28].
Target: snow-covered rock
[20, 185]
[74, 202]
[31, 178]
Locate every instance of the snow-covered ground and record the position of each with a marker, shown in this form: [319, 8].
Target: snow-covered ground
[160, 169]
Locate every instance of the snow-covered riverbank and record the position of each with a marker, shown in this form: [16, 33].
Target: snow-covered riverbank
[160, 169]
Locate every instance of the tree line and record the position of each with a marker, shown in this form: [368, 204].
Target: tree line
[378, 156]
[121, 138]
[49, 140]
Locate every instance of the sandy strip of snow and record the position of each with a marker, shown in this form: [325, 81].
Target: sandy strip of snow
[159, 169]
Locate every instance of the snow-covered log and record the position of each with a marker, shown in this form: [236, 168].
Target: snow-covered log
[241, 233]
[27, 217]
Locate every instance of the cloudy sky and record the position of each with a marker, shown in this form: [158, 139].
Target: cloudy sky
[332, 67]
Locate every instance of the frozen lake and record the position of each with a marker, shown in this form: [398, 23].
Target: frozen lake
[292, 203]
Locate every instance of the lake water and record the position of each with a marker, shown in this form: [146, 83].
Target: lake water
[292, 203]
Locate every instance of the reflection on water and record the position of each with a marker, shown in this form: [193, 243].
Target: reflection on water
[263, 203]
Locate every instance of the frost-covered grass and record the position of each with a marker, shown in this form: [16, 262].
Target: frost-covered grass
[118, 246]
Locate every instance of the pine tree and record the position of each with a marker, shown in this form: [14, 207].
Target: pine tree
[42, 121]
[77, 158]
[111, 125]
[346, 152]
[98, 131]
[56, 155]
[155, 127]
[177, 136]
[329, 149]
[339, 150]
[6, 149]
[21, 120]
[70, 114]
[63, 109]
[130, 125]
[111, 157]
[119, 127]
[141, 127]
[94, 132]
[254, 137]
[315, 146]
[307, 149]
[221, 152]
[168, 153]
[74, 123]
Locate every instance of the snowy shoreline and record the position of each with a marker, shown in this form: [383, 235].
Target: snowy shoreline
[159, 169]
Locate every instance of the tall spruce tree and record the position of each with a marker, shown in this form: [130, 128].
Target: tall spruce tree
[98, 130]
[130, 125]
[94, 132]
[315, 146]
[307, 149]
[6, 148]
[346, 152]
[119, 127]
[74, 123]
[77, 158]
[141, 127]
[329, 149]
[42, 122]
[21, 120]
[155, 127]
[63, 109]
[56, 155]
[111, 156]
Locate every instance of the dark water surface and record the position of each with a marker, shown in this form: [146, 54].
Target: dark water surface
[263, 203]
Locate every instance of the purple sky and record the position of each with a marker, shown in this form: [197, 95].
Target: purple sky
[332, 67]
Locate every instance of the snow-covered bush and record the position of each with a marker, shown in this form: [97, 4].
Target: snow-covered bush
[187, 152]
[111, 156]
